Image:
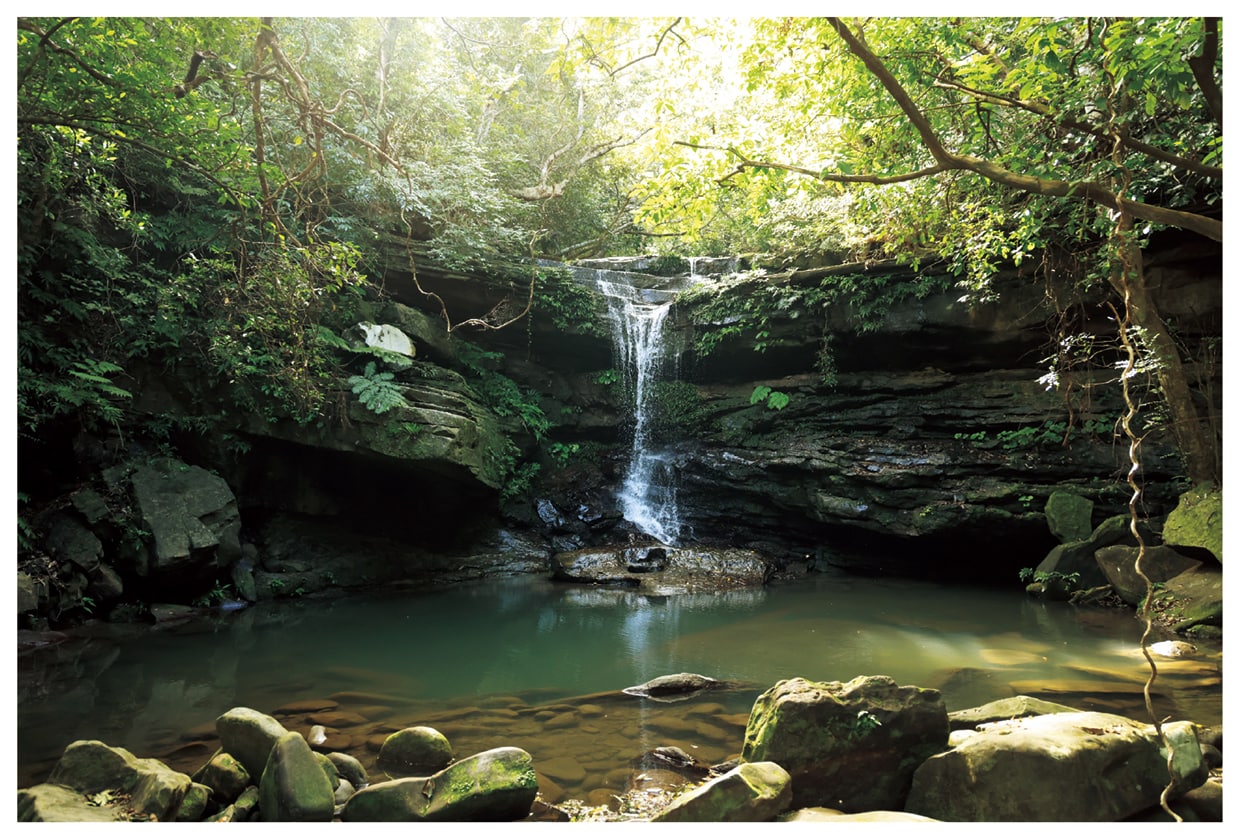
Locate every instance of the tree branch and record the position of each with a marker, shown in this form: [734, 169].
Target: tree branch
[744, 162]
[1043, 110]
[1208, 227]
[1202, 66]
[654, 52]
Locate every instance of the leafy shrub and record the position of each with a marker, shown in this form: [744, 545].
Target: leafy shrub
[775, 400]
[377, 391]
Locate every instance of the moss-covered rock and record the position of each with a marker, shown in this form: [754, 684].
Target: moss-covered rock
[1008, 708]
[91, 767]
[852, 746]
[752, 792]
[294, 787]
[1197, 521]
[419, 750]
[1077, 558]
[224, 775]
[495, 785]
[194, 805]
[1160, 563]
[248, 736]
[1192, 600]
[56, 803]
[1073, 767]
[349, 768]
[1069, 516]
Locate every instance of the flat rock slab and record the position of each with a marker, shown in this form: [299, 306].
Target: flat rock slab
[659, 569]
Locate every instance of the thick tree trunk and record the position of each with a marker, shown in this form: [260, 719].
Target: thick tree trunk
[1199, 447]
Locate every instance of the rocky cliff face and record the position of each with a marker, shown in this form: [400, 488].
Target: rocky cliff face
[930, 449]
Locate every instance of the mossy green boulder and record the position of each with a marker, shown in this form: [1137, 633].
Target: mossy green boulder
[851, 746]
[1197, 521]
[1069, 516]
[419, 750]
[294, 786]
[495, 785]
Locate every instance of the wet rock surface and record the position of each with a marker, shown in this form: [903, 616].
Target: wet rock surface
[663, 570]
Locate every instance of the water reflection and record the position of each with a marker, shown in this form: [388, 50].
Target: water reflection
[531, 663]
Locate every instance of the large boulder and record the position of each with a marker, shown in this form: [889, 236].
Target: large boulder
[92, 767]
[1160, 563]
[249, 736]
[1078, 557]
[495, 785]
[386, 337]
[195, 803]
[1192, 602]
[752, 792]
[851, 746]
[1082, 766]
[1197, 521]
[192, 517]
[69, 540]
[294, 786]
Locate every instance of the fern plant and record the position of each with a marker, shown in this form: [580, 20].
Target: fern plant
[376, 390]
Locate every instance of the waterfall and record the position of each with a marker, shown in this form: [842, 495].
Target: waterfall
[647, 496]
[638, 305]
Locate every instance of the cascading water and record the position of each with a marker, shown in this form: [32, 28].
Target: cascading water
[647, 495]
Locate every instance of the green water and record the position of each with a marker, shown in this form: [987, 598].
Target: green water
[530, 663]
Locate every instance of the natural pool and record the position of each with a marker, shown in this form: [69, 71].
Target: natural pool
[530, 663]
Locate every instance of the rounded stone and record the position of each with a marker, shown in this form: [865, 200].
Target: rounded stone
[419, 750]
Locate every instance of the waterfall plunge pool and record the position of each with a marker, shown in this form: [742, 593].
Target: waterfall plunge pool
[539, 665]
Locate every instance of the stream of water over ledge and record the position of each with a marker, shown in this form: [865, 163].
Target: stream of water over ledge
[526, 662]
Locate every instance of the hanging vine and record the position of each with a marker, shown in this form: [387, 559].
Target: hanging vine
[1129, 267]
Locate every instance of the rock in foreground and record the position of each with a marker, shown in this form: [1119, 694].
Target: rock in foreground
[1083, 766]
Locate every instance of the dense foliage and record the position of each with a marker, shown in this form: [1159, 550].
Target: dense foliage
[1061, 144]
[213, 195]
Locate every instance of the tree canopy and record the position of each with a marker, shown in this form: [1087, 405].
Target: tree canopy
[213, 191]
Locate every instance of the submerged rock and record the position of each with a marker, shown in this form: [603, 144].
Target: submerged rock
[676, 685]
